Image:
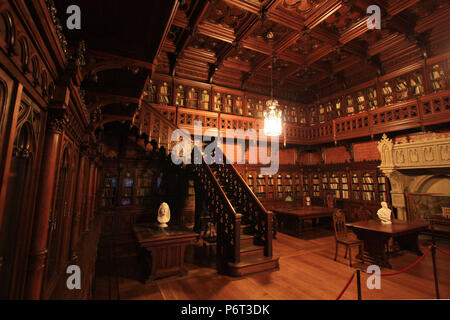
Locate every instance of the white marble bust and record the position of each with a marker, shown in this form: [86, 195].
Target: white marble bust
[163, 215]
[384, 213]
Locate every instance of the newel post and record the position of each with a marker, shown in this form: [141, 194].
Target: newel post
[237, 238]
[269, 234]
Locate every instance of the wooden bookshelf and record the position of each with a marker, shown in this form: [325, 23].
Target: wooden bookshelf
[288, 185]
[279, 186]
[344, 186]
[109, 189]
[260, 190]
[270, 187]
[334, 185]
[356, 190]
[306, 186]
[297, 185]
[316, 186]
[368, 187]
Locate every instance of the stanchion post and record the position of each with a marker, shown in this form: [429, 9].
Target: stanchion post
[358, 283]
[433, 256]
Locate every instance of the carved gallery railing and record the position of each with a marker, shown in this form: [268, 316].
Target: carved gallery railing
[260, 220]
[427, 110]
[227, 220]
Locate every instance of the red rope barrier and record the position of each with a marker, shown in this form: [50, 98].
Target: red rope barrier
[346, 286]
[409, 267]
[443, 251]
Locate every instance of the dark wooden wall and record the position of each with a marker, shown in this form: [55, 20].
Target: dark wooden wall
[48, 161]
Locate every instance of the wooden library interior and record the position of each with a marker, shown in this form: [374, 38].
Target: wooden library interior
[224, 149]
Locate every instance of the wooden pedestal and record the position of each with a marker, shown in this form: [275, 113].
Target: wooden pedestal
[163, 249]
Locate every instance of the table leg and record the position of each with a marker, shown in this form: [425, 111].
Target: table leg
[374, 248]
[410, 242]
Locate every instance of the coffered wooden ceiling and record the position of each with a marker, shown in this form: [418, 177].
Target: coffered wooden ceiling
[321, 46]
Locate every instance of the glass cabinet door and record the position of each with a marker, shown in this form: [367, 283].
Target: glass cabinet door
[127, 188]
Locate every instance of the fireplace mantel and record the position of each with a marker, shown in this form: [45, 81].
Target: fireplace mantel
[400, 158]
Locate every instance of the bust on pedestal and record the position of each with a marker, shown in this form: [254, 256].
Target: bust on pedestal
[384, 213]
[163, 215]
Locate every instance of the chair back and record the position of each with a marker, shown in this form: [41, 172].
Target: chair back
[340, 230]
[364, 214]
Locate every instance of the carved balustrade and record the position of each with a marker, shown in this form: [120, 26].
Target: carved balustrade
[227, 220]
[427, 110]
[260, 220]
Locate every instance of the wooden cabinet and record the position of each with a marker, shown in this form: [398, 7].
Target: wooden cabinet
[109, 188]
[132, 185]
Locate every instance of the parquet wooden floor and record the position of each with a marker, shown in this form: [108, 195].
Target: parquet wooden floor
[307, 271]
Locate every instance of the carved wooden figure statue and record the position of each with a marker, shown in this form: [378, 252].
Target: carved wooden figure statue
[204, 102]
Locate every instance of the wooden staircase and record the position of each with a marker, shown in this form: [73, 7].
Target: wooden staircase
[232, 203]
[255, 250]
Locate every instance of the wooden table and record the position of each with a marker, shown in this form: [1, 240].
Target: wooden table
[163, 249]
[291, 220]
[376, 237]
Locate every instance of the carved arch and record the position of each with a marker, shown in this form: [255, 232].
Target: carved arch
[35, 69]
[3, 98]
[10, 32]
[24, 54]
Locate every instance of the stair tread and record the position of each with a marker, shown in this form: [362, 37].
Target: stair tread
[250, 247]
[253, 261]
[246, 236]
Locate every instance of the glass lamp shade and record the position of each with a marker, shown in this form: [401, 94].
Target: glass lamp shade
[272, 120]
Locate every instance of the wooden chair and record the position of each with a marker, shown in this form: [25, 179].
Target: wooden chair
[364, 215]
[342, 236]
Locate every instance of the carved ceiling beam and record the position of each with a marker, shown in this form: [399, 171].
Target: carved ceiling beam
[392, 40]
[438, 17]
[322, 13]
[324, 67]
[319, 53]
[196, 16]
[218, 32]
[355, 49]
[324, 35]
[292, 57]
[247, 5]
[242, 33]
[397, 6]
[100, 61]
[356, 30]
[291, 73]
[293, 22]
[279, 48]
[172, 16]
[288, 41]
[344, 64]
[254, 7]
[257, 45]
[402, 24]
[112, 118]
[100, 99]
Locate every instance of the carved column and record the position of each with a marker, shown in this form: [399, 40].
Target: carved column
[94, 193]
[89, 195]
[78, 205]
[56, 120]
[398, 193]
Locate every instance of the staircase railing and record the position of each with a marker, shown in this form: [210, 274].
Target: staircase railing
[228, 221]
[259, 219]
[155, 125]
